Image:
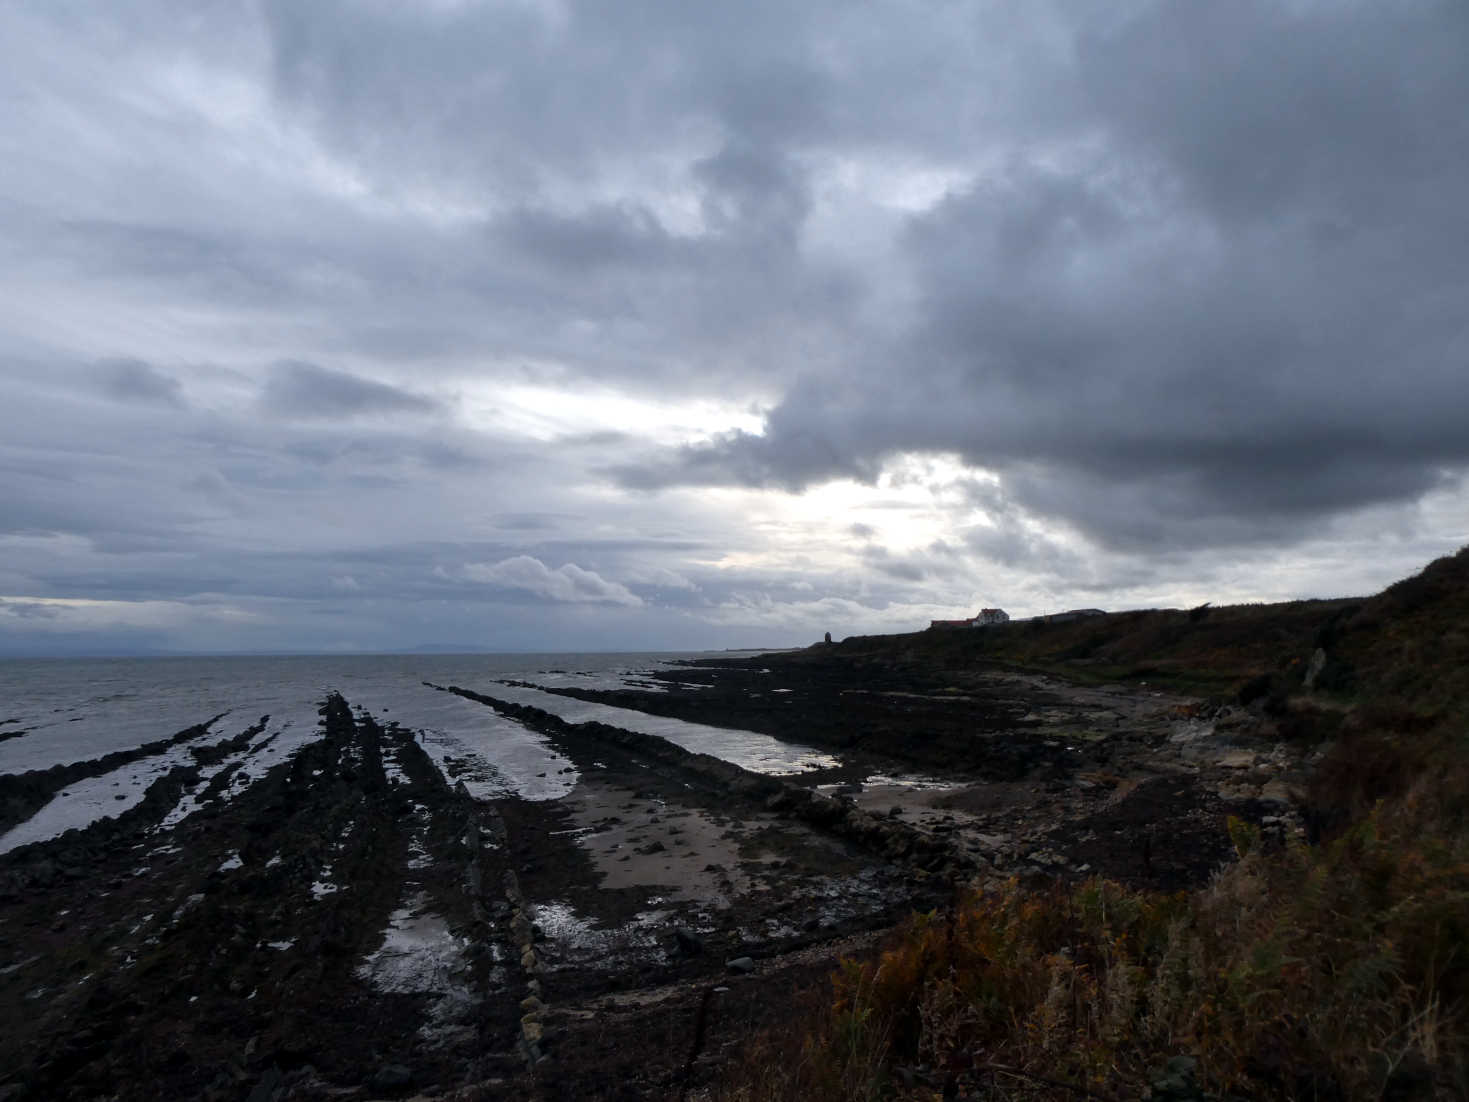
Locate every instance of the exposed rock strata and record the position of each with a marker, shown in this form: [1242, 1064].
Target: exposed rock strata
[23, 794]
[891, 840]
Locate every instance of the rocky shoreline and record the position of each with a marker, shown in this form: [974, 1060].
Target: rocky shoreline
[1022, 773]
[353, 924]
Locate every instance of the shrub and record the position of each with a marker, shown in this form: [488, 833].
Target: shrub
[1307, 972]
[1256, 687]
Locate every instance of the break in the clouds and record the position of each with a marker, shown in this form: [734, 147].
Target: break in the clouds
[558, 324]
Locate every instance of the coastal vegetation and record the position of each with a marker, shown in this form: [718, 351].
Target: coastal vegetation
[1331, 966]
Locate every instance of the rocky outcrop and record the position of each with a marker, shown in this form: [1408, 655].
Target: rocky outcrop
[1314, 668]
[23, 794]
[925, 855]
[518, 914]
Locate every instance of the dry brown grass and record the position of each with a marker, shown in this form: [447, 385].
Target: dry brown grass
[1335, 971]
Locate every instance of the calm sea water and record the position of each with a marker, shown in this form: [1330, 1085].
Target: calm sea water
[76, 710]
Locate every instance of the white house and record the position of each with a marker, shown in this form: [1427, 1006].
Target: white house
[986, 616]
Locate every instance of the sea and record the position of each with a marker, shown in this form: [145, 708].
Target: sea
[61, 711]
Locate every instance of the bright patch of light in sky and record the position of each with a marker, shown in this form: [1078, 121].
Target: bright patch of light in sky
[552, 413]
[906, 186]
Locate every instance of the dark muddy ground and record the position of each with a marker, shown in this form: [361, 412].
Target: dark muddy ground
[351, 925]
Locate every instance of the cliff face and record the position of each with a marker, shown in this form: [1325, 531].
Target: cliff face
[1411, 641]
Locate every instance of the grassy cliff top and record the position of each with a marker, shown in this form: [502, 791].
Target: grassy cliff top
[1411, 640]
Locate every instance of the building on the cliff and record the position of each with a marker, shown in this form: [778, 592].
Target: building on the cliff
[986, 616]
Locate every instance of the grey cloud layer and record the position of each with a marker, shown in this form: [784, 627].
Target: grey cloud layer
[306, 390]
[1167, 278]
[1239, 309]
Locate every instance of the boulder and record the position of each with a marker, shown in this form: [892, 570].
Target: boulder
[1277, 792]
[392, 1077]
[1314, 668]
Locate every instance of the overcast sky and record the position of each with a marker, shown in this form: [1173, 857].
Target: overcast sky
[567, 324]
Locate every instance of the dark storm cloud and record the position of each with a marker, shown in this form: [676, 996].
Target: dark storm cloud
[530, 522]
[516, 101]
[392, 454]
[1234, 314]
[620, 234]
[884, 562]
[1334, 111]
[136, 381]
[504, 91]
[298, 389]
[216, 264]
[749, 186]
[736, 298]
[308, 310]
